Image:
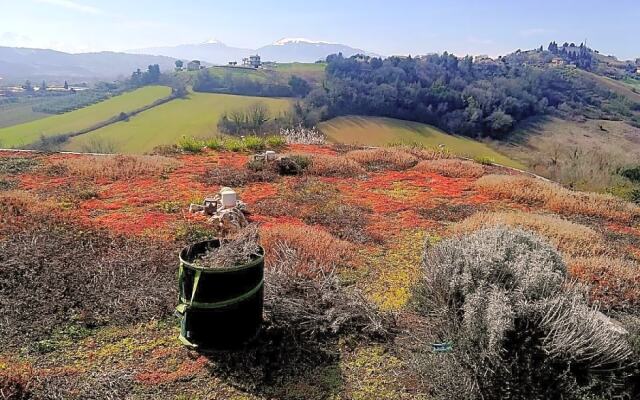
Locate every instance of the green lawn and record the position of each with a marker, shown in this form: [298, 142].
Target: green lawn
[374, 131]
[196, 116]
[23, 134]
[18, 113]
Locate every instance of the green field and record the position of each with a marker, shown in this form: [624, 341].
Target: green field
[374, 131]
[196, 116]
[23, 134]
[18, 113]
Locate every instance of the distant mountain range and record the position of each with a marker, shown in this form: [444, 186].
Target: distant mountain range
[284, 50]
[37, 64]
[42, 64]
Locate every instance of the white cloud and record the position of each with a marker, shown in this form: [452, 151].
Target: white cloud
[73, 5]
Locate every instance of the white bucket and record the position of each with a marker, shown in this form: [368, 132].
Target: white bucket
[228, 197]
[270, 155]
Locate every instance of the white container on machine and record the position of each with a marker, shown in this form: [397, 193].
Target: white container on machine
[270, 155]
[228, 197]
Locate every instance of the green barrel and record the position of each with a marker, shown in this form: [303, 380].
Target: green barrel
[219, 308]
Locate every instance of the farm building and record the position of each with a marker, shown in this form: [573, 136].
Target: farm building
[193, 65]
[252, 61]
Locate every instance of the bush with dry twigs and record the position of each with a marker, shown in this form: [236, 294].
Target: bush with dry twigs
[452, 168]
[518, 327]
[537, 192]
[313, 302]
[570, 238]
[381, 159]
[336, 166]
[115, 167]
[55, 274]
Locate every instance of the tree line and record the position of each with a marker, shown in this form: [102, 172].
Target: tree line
[460, 95]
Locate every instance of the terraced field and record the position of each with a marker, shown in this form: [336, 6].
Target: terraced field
[195, 116]
[374, 131]
[23, 134]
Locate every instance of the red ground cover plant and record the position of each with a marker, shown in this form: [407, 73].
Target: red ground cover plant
[613, 283]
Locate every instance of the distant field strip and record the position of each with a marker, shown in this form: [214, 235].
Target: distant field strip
[19, 113]
[374, 131]
[197, 116]
[82, 119]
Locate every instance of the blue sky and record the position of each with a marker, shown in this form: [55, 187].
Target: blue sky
[386, 27]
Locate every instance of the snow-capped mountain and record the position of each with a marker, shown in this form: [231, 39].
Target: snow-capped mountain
[305, 50]
[283, 50]
[212, 51]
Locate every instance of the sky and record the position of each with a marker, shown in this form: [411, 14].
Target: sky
[398, 27]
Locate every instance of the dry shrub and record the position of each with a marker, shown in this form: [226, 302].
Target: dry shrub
[532, 191]
[383, 159]
[450, 212]
[315, 305]
[116, 167]
[425, 153]
[522, 330]
[452, 168]
[238, 250]
[345, 221]
[55, 273]
[570, 238]
[237, 177]
[613, 283]
[317, 251]
[337, 166]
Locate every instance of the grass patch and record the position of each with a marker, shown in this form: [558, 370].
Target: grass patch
[30, 132]
[383, 159]
[373, 131]
[195, 116]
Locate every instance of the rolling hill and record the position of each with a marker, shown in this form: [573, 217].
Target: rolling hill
[35, 64]
[23, 134]
[286, 50]
[375, 131]
[196, 116]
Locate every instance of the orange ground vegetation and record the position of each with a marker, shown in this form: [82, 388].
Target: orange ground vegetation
[150, 195]
[553, 197]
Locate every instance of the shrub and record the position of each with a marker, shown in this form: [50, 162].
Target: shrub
[484, 160]
[570, 238]
[316, 305]
[254, 143]
[235, 145]
[345, 221]
[421, 151]
[275, 141]
[613, 283]
[165, 150]
[501, 296]
[16, 165]
[532, 191]
[383, 159]
[452, 168]
[57, 274]
[317, 252]
[323, 165]
[116, 167]
[302, 135]
[236, 177]
[214, 143]
[191, 145]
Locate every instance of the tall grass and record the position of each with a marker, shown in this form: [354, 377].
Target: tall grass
[118, 167]
[536, 192]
